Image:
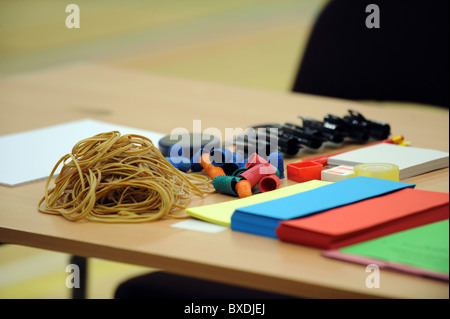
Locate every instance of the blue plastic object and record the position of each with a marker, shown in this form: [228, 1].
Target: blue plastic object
[195, 161]
[181, 163]
[276, 159]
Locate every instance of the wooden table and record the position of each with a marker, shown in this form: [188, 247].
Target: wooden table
[159, 103]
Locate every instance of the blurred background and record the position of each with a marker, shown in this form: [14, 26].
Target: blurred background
[251, 43]
[256, 43]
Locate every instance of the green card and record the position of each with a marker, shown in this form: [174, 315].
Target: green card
[425, 247]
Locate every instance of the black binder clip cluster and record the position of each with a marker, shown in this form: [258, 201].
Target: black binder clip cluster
[291, 137]
[356, 127]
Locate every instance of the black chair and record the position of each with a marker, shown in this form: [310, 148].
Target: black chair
[162, 285]
[406, 59]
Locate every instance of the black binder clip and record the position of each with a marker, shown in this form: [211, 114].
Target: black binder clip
[288, 144]
[376, 130]
[349, 127]
[304, 138]
[261, 139]
[317, 129]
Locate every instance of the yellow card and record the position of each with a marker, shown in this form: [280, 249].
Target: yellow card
[220, 213]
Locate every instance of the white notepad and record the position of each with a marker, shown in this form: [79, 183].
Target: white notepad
[411, 161]
[31, 155]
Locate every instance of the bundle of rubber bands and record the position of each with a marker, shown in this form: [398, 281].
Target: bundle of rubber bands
[114, 178]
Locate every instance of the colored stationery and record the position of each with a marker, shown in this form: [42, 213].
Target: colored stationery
[367, 219]
[220, 213]
[263, 218]
[421, 251]
[31, 155]
[411, 160]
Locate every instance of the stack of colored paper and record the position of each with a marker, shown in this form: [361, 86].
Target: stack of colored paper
[264, 218]
[368, 219]
[421, 251]
[221, 213]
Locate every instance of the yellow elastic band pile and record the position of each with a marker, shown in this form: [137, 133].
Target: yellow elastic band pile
[114, 178]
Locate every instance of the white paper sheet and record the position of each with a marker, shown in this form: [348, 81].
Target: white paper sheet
[31, 155]
[198, 225]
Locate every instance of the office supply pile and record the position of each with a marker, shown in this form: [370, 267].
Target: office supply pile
[348, 199]
[361, 200]
[257, 161]
[246, 169]
[230, 173]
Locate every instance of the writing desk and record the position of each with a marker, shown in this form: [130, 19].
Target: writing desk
[159, 103]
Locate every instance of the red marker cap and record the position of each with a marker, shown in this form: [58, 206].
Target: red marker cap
[269, 183]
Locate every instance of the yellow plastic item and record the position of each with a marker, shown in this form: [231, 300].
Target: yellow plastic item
[378, 170]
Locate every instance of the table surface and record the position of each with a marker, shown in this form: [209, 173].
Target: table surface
[161, 103]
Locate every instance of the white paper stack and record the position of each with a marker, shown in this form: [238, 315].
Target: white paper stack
[411, 161]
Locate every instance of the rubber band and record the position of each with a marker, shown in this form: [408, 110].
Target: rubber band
[119, 179]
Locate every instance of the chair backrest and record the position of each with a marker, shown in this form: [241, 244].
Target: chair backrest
[405, 59]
